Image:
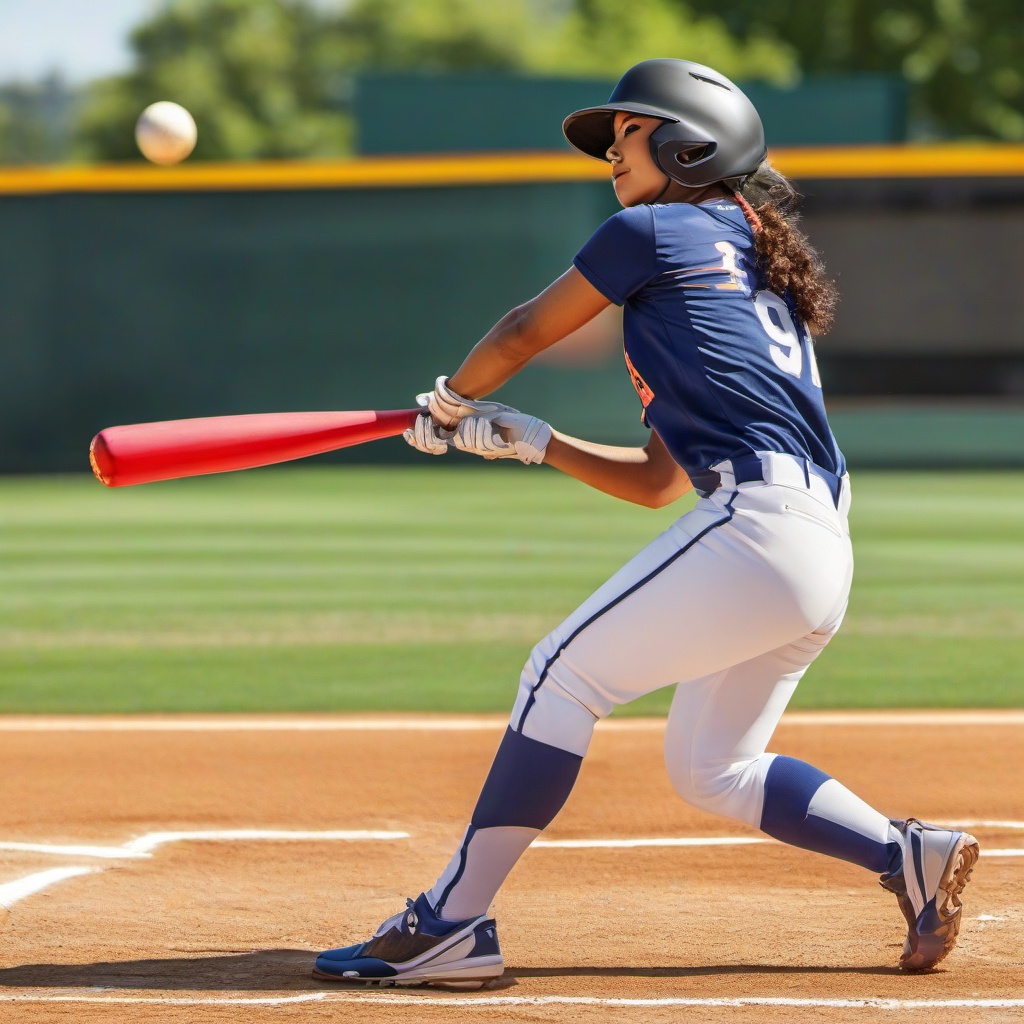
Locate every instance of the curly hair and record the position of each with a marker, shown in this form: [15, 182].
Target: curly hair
[790, 264]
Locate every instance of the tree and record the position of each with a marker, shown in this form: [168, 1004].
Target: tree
[599, 38]
[963, 58]
[34, 121]
[604, 38]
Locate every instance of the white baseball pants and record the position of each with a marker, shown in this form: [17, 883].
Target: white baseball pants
[731, 603]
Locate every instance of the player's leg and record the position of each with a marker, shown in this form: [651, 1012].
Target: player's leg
[728, 581]
[716, 739]
[715, 750]
[569, 683]
[697, 599]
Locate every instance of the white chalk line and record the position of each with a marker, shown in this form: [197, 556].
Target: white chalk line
[143, 846]
[632, 844]
[476, 1002]
[12, 892]
[463, 723]
[310, 997]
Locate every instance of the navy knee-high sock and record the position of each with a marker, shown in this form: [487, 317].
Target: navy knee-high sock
[527, 786]
[807, 808]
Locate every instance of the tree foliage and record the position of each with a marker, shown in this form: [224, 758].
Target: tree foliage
[963, 58]
[34, 121]
[260, 76]
[270, 78]
[603, 38]
[598, 38]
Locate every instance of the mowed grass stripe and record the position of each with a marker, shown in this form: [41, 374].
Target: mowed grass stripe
[424, 588]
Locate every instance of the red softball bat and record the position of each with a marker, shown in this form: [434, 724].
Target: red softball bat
[141, 453]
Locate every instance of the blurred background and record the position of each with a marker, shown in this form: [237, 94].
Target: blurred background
[377, 181]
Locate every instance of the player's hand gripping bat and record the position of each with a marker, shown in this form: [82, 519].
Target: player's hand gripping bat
[141, 453]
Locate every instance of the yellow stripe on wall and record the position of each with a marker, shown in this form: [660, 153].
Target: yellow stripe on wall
[365, 172]
[492, 168]
[948, 161]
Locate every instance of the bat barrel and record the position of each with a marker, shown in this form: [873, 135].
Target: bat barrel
[140, 453]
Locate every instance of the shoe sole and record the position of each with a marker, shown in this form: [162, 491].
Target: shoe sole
[465, 975]
[923, 951]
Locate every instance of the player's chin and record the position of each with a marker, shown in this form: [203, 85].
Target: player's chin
[623, 192]
[629, 195]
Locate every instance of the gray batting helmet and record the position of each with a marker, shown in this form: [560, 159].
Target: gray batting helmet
[711, 133]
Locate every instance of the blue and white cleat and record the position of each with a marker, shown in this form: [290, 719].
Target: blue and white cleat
[937, 864]
[416, 947]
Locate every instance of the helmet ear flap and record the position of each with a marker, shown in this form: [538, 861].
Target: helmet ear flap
[673, 155]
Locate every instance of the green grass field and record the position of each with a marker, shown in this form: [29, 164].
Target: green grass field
[424, 588]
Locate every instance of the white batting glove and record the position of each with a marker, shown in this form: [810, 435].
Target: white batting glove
[426, 436]
[447, 407]
[508, 434]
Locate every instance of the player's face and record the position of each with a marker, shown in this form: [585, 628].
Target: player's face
[635, 176]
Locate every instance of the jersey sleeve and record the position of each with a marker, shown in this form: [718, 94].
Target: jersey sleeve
[622, 255]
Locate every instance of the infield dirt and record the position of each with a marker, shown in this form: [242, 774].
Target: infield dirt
[225, 930]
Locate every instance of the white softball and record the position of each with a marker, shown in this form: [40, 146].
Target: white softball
[165, 133]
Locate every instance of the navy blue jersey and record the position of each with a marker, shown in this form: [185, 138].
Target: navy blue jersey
[723, 366]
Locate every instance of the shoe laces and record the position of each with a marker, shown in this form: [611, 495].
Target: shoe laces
[398, 920]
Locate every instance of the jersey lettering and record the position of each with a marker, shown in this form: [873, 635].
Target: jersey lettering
[787, 341]
[729, 266]
[737, 277]
[717, 361]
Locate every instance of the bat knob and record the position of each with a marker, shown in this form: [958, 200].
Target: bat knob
[99, 459]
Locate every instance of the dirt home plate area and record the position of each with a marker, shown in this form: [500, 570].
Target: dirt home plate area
[188, 869]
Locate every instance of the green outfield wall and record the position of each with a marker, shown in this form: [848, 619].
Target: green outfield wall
[418, 112]
[128, 296]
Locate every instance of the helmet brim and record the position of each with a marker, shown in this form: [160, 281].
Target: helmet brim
[590, 130]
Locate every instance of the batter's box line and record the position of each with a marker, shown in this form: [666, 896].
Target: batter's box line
[143, 846]
[478, 1002]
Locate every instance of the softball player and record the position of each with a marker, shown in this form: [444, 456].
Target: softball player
[733, 602]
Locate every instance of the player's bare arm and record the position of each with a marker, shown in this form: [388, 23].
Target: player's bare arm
[646, 476]
[563, 307]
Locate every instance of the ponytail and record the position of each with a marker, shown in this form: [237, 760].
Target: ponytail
[790, 264]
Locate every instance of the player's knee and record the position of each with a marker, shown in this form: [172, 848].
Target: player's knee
[717, 789]
[694, 789]
[552, 668]
[551, 709]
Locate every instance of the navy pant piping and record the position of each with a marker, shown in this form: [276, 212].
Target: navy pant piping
[608, 607]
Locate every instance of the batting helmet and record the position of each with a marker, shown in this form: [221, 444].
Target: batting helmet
[711, 133]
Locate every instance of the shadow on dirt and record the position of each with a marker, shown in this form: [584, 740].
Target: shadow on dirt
[276, 970]
[270, 970]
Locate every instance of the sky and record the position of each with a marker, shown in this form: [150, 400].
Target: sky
[81, 39]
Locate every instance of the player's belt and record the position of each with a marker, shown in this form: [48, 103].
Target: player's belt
[768, 467]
